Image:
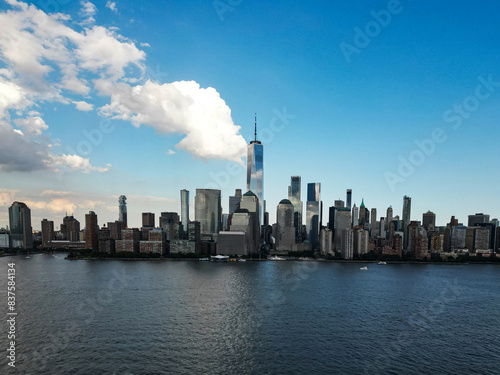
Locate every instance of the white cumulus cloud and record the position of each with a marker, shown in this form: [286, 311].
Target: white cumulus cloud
[83, 106]
[181, 107]
[112, 5]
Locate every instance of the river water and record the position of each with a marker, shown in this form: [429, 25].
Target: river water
[281, 317]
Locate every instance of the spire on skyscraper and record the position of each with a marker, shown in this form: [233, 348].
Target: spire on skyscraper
[255, 126]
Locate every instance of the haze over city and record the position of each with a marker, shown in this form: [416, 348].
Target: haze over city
[385, 98]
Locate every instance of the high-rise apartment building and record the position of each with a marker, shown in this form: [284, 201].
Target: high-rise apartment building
[47, 232]
[91, 231]
[21, 233]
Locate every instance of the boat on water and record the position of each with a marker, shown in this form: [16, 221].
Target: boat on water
[219, 258]
[275, 257]
[364, 268]
[382, 262]
[204, 259]
[242, 260]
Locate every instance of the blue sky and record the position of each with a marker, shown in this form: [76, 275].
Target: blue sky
[347, 120]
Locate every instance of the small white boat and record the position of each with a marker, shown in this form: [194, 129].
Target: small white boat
[242, 260]
[382, 262]
[219, 258]
[364, 268]
[275, 257]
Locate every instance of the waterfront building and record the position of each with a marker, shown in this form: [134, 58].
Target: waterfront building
[457, 237]
[156, 242]
[115, 229]
[255, 171]
[232, 243]
[360, 241]
[106, 243]
[91, 229]
[342, 221]
[208, 210]
[285, 230]
[70, 229]
[171, 225]
[21, 232]
[347, 246]
[129, 242]
[326, 241]
[194, 231]
[47, 232]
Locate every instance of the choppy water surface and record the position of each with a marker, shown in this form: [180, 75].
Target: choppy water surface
[191, 317]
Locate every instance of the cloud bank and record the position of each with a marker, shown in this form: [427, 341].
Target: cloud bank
[65, 62]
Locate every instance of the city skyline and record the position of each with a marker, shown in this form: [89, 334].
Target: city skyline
[381, 123]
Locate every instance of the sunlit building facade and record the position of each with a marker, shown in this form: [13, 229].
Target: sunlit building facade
[255, 171]
[21, 233]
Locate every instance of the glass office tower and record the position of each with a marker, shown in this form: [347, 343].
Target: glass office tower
[208, 210]
[255, 171]
[294, 197]
[313, 212]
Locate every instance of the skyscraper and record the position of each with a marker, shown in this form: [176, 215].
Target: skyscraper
[255, 171]
[122, 208]
[313, 212]
[477, 219]
[185, 209]
[406, 218]
[208, 210]
[21, 233]
[373, 218]
[285, 236]
[91, 230]
[348, 198]
[234, 201]
[355, 216]
[47, 232]
[294, 196]
[429, 220]
[148, 220]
